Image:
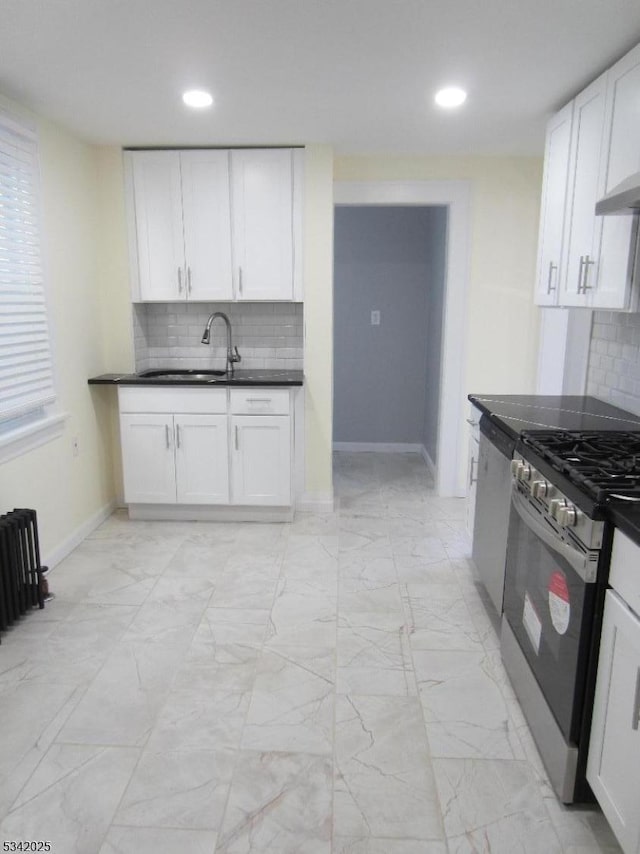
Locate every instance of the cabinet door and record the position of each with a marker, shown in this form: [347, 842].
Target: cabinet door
[583, 227]
[613, 768]
[262, 194]
[621, 159]
[207, 224]
[202, 459]
[472, 475]
[159, 228]
[553, 205]
[148, 459]
[261, 459]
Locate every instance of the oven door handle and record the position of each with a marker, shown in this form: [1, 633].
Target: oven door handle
[574, 558]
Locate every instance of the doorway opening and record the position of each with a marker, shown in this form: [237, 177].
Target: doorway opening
[366, 210]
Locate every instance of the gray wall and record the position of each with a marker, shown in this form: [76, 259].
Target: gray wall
[614, 359]
[383, 261]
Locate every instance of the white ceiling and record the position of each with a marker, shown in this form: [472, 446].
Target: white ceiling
[356, 74]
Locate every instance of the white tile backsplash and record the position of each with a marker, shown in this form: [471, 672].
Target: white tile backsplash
[267, 335]
[614, 359]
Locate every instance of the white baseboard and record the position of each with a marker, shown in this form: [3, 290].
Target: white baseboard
[67, 546]
[379, 447]
[315, 502]
[208, 513]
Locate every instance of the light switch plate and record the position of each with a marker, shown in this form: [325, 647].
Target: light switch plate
[375, 318]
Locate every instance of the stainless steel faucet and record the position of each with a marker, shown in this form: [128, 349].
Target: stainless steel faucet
[232, 352]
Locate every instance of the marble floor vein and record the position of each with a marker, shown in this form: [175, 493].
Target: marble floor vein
[328, 686]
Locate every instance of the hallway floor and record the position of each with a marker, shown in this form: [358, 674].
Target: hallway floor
[329, 686]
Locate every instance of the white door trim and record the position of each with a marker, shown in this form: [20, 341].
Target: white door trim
[455, 195]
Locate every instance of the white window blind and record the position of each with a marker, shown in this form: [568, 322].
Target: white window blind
[26, 370]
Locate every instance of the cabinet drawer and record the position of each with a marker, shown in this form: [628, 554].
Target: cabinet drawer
[624, 575]
[173, 399]
[259, 401]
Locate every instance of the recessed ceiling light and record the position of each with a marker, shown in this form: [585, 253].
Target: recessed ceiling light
[197, 98]
[451, 96]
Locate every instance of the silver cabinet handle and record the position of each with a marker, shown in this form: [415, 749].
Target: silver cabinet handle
[236, 438]
[472, 479]
[240, 279]
[189, 279]
[588, 262]
[552, 267]
[472, 422]
[166, 435]
[258, 400]
[179, 280]
[580, 269]
[635, 720]
[177, 435]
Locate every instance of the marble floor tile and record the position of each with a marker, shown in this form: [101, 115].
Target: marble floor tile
[331, 685]
[153, 840]
[279, 803]
[181, 789]
[438, 617]
[71, 798]
[373, 654]
[121, 704]
[372, 845]
[292, 704]
[458, 726]
[194, 719]
[302, 615]
[230, 625]
[384, 786]
[491, 806]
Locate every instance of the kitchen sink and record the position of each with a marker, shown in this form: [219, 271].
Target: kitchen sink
[182, 374]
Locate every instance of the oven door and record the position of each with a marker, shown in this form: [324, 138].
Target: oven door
[549, 601]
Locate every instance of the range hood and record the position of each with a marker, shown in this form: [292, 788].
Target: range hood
[623, 199]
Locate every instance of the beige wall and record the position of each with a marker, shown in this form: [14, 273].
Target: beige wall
[67, 491]
[502, 337]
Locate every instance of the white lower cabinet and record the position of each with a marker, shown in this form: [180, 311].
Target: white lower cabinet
[474, 452]
[190, 446]
[261, 459]
[613, 768]
[169, 459]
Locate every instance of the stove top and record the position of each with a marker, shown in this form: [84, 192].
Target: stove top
[604, 465]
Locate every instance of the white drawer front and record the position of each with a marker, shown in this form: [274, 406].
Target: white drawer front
[260, 401]
[624, 575]
[173, 399]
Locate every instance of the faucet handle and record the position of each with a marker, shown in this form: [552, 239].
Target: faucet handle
[236, 357]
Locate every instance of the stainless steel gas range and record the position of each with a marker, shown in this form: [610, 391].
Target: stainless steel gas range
[558, 552]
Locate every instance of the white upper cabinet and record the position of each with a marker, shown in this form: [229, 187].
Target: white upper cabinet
[207, 224]
[586, 260]
[155, 180]
[215, 225]
[583, 228]
[622, 158]
[552, 213]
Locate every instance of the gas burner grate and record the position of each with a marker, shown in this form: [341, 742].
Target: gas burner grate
[606, 465]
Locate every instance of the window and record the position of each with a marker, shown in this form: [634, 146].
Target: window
[26, 367]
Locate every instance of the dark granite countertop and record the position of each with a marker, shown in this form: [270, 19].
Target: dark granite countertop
[244, 377]
[514, 413]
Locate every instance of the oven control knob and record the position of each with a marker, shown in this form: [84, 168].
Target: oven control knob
[539, 488]
[516, 466]
[567, 515]
[556, 505]
[525, 472]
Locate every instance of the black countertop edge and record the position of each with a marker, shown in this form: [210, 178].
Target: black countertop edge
[257, 377]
